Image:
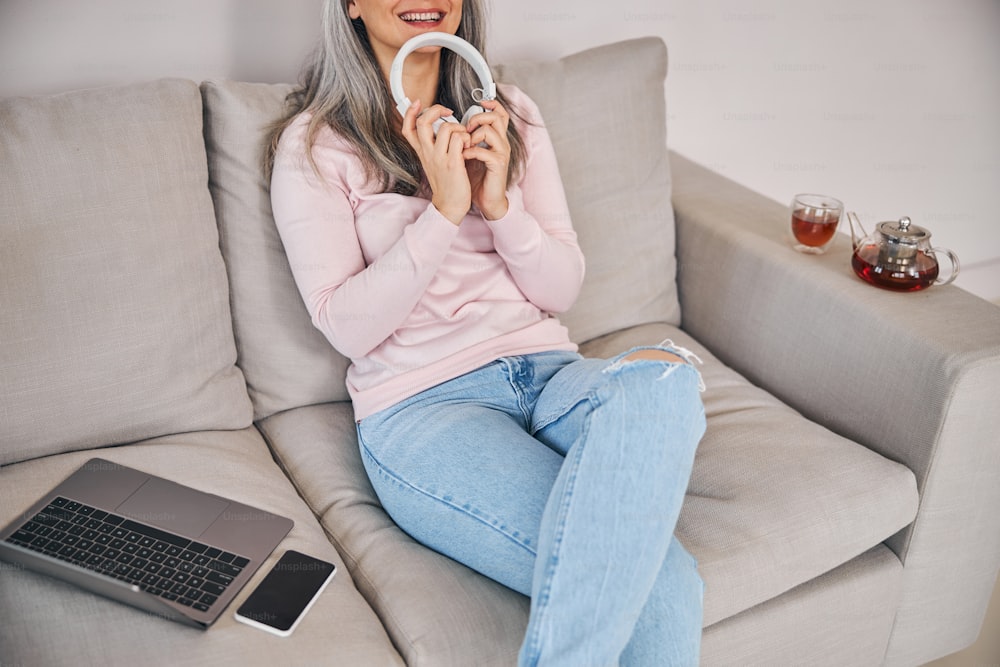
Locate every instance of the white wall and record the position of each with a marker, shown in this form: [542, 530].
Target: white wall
[892, 105]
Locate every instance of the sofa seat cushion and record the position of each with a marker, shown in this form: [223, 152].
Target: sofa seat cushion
[49, 622]
[115, 321]
[437, 611]
[774, 501]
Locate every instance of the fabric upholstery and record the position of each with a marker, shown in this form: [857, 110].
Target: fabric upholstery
[115, 327]
[115, 320]
[840, 618]
[437, 611]
[774, 501]
[933, 356]
[287, 361]
[617, 182]
[957, 531]
[340, 629]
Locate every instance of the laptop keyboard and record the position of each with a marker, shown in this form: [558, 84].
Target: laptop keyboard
[158, 562]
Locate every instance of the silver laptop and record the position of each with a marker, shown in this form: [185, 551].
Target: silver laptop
[166, 548]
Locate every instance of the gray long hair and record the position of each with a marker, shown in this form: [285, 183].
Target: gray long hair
[344, 89]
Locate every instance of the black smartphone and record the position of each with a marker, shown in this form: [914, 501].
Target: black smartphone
[284, 596]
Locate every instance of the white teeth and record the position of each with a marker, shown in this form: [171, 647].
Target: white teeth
[424, 16]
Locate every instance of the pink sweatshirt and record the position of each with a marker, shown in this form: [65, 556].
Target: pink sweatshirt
[410, 298]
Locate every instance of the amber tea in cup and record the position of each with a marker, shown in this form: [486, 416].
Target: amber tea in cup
[814, 222]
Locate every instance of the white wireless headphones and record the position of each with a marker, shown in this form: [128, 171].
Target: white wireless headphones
[463, 48]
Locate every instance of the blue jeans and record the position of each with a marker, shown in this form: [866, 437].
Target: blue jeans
[561, 478]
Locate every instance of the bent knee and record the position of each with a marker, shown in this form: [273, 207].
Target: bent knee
[666, 352]
[654, 355]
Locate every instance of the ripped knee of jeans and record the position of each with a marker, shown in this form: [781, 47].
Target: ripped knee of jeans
[674, 355]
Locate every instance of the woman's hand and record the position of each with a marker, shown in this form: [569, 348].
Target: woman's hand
[442, 158]
[487, 167]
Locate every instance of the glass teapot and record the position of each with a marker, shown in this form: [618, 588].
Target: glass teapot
[897, 256]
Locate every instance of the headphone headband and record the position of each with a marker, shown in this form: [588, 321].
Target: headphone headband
[463, 48]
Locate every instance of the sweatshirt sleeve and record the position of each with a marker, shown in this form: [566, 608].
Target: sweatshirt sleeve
[357, 307]
[536, 237]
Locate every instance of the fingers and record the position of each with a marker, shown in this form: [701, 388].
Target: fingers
[489, 135]
[463, 164]
[425, 123]
[488, 131]
[452, 140]
[410, 124]
[496, 118]
[489, 127]
[494, 115]
[441, 158]
[418, 129]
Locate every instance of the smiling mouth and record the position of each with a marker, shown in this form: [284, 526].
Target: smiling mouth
[422, 18]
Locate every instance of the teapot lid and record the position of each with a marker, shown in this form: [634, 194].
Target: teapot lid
[901, 231]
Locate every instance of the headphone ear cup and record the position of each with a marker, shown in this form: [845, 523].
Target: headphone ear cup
[470, 112]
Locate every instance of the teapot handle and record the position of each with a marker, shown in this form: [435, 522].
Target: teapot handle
[954, 265]
[856, 237]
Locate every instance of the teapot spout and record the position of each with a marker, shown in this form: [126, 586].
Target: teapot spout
[856, 238]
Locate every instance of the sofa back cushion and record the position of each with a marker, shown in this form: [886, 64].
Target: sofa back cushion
[605, 111]
[114, 306]
[287, 362]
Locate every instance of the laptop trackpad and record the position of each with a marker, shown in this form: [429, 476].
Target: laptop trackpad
[173, 507]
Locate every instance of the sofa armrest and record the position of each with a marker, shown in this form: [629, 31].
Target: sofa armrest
[914, 377]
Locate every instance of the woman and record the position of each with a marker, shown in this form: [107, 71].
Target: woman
[436, 264]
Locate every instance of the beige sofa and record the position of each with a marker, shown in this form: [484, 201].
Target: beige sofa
[843, 506]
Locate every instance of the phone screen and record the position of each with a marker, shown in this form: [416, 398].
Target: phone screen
[286, 593]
